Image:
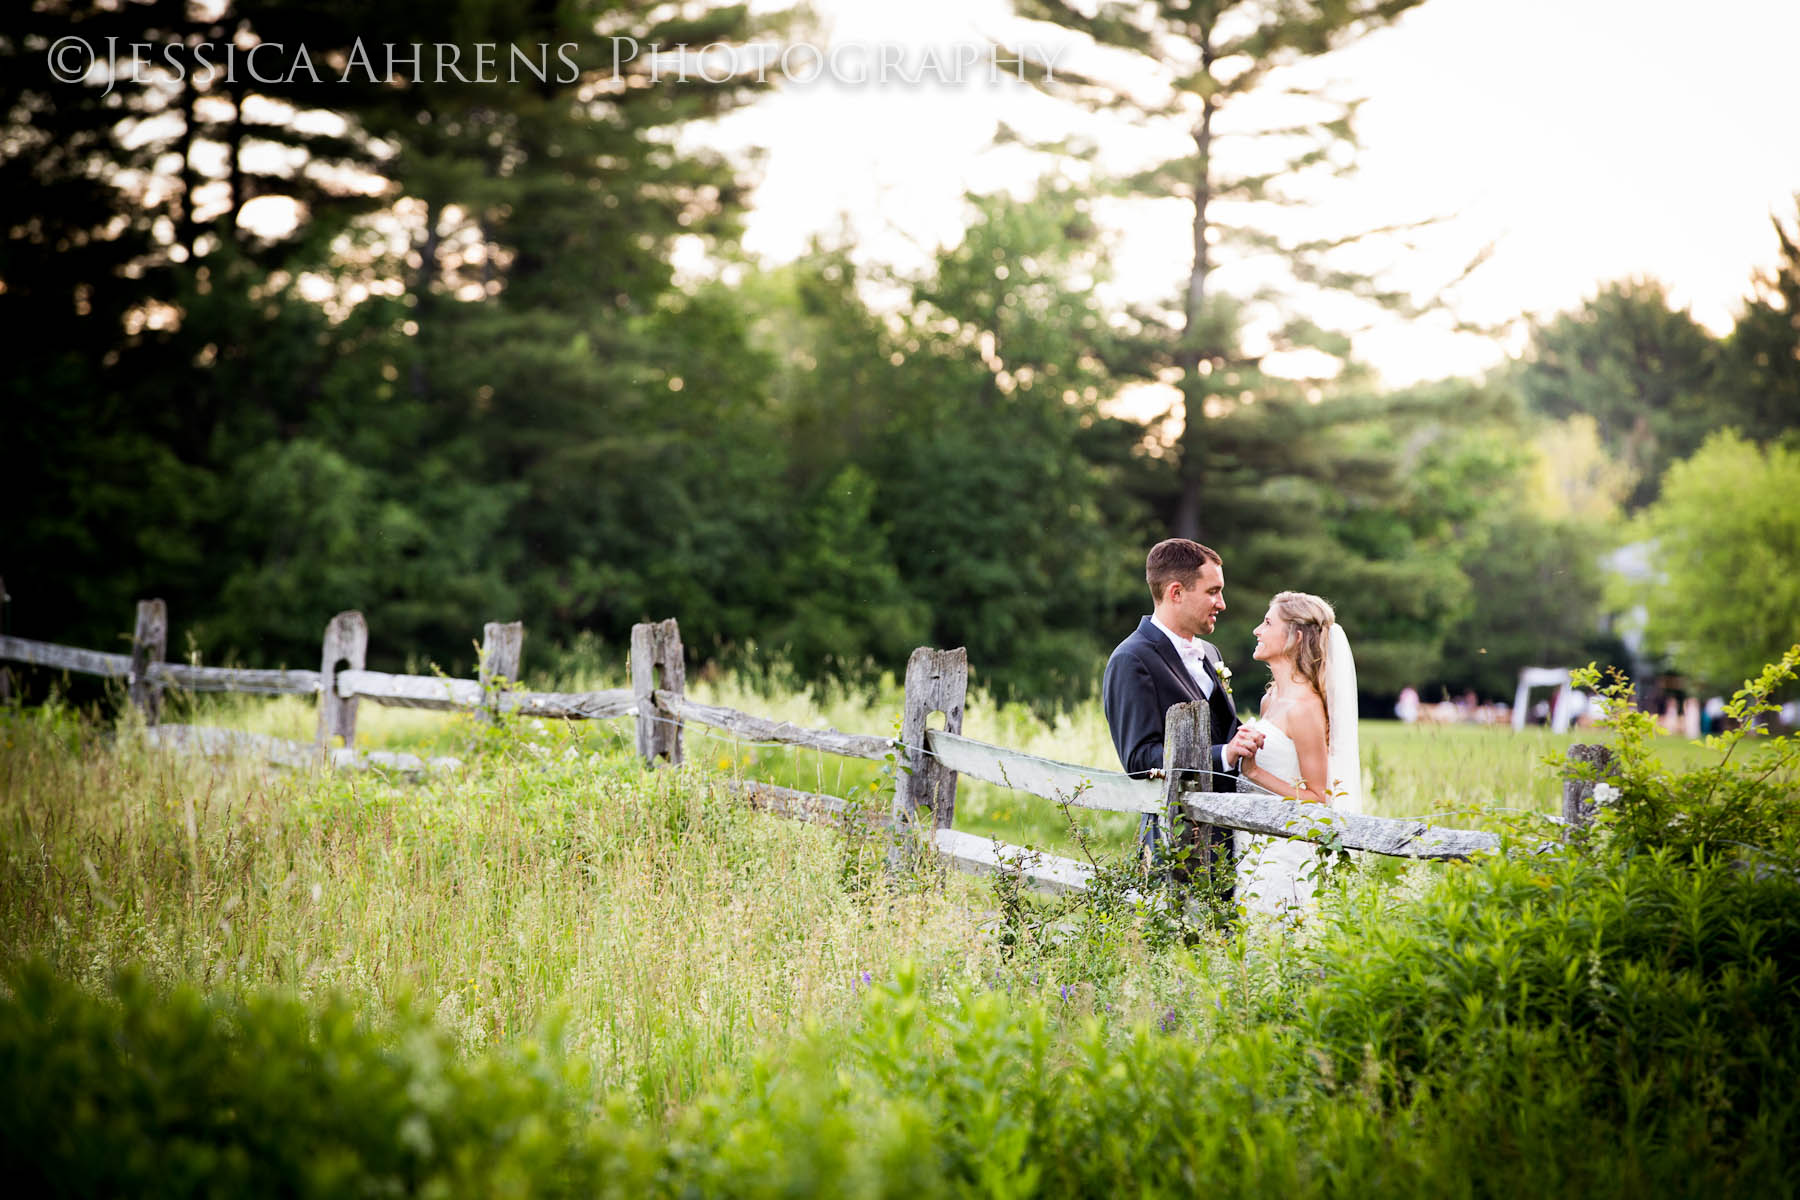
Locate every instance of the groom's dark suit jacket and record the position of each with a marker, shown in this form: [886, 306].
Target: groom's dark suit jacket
[1144, 679]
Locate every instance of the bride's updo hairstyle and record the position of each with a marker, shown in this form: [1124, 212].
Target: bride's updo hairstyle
[1309, 620]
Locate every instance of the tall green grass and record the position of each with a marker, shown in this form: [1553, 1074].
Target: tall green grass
[743, 1005]
[665, 929]
[1464, 776]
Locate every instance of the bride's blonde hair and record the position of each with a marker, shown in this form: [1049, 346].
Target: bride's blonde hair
[1309, 620]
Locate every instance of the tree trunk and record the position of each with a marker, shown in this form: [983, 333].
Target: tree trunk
[187, 231]
[234, 149]
[422, 281]
[1196, 290]
[1190, 354]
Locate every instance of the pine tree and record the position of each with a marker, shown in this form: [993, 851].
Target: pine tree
[1763, 353]
[1223, 60]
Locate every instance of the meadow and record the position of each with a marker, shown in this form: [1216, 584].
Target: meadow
[1466, 776]
[665, 930]
[647, 926]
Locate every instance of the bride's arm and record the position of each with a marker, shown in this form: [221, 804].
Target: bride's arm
[1306, 726]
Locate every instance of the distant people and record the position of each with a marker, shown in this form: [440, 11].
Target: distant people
[1407, 707]
[1690, 717]
[1712, 717]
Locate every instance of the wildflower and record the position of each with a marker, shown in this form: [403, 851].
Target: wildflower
[1169, 1021]
[1065, 993]
[1605, 793]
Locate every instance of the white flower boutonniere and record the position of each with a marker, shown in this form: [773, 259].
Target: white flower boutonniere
[1225, 678]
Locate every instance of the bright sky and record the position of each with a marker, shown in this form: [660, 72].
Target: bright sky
[1588, 140]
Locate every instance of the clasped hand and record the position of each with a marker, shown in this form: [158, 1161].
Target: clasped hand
[1241, 749]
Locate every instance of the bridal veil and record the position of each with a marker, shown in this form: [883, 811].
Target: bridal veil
[1343, 756]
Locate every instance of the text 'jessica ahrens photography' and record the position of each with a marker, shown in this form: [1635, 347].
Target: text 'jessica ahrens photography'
[113, 61]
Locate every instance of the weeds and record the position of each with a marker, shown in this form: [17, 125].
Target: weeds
[739, 1010]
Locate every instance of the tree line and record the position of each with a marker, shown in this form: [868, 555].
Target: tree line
[460, 381]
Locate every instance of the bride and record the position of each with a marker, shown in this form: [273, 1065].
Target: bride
[1309, 749]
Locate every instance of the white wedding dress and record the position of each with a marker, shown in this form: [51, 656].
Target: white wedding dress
[1277, 875]
[1274, 874]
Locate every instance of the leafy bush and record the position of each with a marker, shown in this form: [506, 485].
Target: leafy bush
[1645, 978]
[1619, 1015]
[148, 1095]
[1745, 804]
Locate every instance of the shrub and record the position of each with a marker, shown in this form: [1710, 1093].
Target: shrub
[146, 1095]
[1644, 981]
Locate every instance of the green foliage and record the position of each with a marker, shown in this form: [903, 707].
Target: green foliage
[478, 391]
[1535, 598]
[139, 1093]
[852, 617]
[1719, 810]
[1614, 1015]
[1762, 370]
[989, 479]
[1727, 546]
[1647, 373]
[1368, 500]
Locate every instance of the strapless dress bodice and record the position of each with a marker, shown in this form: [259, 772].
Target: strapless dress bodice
[1279, 756]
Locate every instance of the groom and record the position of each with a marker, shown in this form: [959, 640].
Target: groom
[1165, 663]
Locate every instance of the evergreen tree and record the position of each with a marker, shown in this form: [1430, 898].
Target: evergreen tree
[196, 428]
[1648, 374]
[1223, 60]
[1762, 369]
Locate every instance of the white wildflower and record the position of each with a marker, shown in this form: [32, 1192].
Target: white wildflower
[1605, 793]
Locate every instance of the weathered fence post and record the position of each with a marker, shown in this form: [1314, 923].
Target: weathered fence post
[346, 641]
[148, 643]
[936, 681]
[1187, 749]
[502, 648]
[657, 664]
[1578, 794]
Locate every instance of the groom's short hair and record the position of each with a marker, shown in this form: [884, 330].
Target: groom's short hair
[1176, 560]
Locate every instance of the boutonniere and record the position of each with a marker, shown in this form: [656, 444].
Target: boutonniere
[1225, 678]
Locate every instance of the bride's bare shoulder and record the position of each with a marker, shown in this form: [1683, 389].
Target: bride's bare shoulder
[1306, 719]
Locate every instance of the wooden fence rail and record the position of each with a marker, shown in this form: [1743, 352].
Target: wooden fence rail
[181, 675]
[930, 759]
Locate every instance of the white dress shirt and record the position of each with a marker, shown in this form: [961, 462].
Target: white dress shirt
[1193, 657]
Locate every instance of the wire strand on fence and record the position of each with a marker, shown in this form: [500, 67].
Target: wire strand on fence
[1192, 772]
[719, 735]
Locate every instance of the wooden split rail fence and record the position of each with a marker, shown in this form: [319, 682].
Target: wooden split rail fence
[931, 759]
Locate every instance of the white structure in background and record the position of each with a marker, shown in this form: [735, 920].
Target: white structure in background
[1561, 708]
